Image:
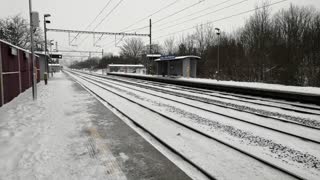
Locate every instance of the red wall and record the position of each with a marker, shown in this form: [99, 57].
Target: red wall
[10, 63]
[23, 74]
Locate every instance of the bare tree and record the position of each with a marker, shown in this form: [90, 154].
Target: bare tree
[16, 31]
[256, 38]
[169, 46]
[132, 48]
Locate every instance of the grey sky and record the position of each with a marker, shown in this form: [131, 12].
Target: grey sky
[78, 14]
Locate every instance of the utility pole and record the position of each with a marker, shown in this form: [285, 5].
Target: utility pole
[150, 50]
[34, 83]
[150, 35]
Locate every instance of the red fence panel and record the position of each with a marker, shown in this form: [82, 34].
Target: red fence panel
[10, 61]
[24, 60]
[11, 86]
[38, 69]
[25, 81]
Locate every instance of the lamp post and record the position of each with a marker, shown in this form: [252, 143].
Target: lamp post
[46, 47]
[218, 68]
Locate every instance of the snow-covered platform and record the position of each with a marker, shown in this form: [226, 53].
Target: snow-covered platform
[68, 134]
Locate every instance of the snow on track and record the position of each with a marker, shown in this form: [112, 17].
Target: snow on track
[308, 133]
[296, 160]
[214, 157]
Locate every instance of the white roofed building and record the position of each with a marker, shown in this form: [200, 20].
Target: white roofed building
[127, 68]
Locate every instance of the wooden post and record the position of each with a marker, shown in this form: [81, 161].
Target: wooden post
[1, 78]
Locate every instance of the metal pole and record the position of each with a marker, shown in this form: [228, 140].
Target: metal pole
[34, 83]
[150, 50]
[218, 56]
[46, 48]
[150, 35]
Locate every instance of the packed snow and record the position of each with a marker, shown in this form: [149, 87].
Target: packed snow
[47, 139]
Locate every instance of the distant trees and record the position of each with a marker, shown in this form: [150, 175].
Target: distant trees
[15, 30]
[90, 63]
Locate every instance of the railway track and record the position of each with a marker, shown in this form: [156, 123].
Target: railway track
[111, 87]
[289, 96]
[310, 123]
[232, 96]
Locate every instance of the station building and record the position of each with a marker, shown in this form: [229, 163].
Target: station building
[182, 66]
[53, 68]
[127, 68]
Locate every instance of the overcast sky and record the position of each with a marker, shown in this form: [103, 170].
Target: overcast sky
[78, 14]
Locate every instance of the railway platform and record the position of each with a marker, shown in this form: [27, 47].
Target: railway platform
[69, 134]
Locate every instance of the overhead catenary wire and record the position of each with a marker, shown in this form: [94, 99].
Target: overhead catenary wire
[192, 19]
[217, 20]
[175, 13]
[216, 5]
[195, 13]
[111, 11]
[142, 19]
[152, 14]
[101, 11]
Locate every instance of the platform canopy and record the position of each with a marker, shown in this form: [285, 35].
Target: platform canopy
[173, 58]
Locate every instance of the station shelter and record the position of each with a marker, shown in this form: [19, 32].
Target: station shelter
[182, 66]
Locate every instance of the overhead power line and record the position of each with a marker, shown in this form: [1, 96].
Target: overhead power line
[114, 8]
[142, 19]
[196, 13]
[234, 15]
[216, 5]
[101, 11]
[175, 13]
[147, 17]
[192, 19]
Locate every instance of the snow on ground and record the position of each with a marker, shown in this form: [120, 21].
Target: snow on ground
[279, 87]
[49, 138]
